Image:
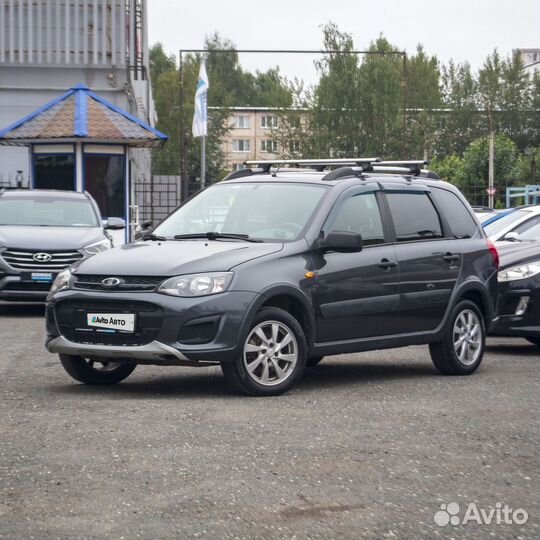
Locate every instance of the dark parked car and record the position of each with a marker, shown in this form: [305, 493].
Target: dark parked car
[271, 269]
[42, 232]
[519, 287]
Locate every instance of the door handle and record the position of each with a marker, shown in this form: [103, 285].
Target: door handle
[386, 264]
[450, 257]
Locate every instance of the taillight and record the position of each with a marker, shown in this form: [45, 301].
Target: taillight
[494, 253]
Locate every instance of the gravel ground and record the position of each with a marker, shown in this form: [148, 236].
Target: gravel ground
[368, 446]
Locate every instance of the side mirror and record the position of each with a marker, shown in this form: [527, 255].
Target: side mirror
[511, 236]
[342, 242]
[145, 225]
[115, 223]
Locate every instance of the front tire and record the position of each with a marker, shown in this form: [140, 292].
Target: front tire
[273, 355]
[462, 348]
[534, 340]
[98, 371]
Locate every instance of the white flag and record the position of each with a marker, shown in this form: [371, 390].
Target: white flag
[200, 115]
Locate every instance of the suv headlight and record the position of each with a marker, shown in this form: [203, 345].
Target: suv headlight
[61, 282]
[97, 247]
[521, 271]
[197, 284]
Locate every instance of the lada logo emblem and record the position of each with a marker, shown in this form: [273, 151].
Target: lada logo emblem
[111, 282]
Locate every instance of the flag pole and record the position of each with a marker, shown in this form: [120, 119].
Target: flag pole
[203, 161]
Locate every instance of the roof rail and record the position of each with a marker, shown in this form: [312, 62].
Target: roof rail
[240, 173]
[317, 164]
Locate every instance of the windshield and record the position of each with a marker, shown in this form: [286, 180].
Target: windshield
[50, 211]
[497, 226]
[265, 211]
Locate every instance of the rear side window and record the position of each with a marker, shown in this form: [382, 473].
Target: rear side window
[460, 221]
[414, 216]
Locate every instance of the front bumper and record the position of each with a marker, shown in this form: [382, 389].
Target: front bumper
[13, 288]
[184, 331]
[518, 308]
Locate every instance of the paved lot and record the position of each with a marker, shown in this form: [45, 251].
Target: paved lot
[369, 446]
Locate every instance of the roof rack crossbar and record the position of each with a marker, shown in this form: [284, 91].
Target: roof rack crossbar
[414, 166]
[317, 164]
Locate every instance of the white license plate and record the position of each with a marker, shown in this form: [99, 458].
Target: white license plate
[112, 321]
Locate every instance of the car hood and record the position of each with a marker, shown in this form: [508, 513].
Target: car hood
[513, 253]
[170, 258]
[49, 238]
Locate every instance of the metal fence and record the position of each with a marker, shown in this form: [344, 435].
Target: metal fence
[158, 198]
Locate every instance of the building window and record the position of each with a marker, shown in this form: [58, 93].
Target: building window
[54, 171]
[241, 145]
[269, 146]
[294, 146]
[241, 122]
[269, 122]
[238, 166]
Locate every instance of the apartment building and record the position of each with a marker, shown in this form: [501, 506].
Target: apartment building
[253, 134]
[530, 59]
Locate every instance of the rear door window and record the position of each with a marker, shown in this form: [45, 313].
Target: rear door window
[414, 217]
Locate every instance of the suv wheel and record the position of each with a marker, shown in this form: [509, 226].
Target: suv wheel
[96, 371]
[534, 340]
[273, 355]
[462, 349]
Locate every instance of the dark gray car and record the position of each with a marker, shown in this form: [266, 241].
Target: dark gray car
[270, 270]
[42, 232]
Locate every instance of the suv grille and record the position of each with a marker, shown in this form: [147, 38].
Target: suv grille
[72, 321]
[40, 260]
[128, 283]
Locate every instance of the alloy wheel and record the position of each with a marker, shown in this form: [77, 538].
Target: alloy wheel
[270, 353]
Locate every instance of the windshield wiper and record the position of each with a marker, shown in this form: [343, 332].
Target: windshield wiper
[154, 237]
[213, 235]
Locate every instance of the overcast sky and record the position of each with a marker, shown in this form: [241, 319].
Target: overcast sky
[458, 29]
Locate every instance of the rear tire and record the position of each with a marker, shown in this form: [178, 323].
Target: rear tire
[462, 348]
[273, 355]
[313, 360]
[534, 341]
[96, 371]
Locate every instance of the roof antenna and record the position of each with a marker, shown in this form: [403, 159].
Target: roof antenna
[276, 170]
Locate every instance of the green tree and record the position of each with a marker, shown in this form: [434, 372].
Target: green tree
[449, 168]
[334, 120]
[474, 171]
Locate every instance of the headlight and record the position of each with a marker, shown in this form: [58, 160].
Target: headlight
[197, 284]
[61, 282]
[521, 271]
[97, 247]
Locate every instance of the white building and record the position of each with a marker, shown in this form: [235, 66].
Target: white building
[48, 46]
[530, 59]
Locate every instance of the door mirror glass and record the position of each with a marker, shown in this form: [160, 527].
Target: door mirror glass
[115, 223]
[342, 242]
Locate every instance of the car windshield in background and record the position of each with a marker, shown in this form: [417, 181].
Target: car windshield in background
[263, 211]
[47, 212]
[507, 220]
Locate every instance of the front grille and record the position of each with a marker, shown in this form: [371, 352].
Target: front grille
[31, 286]
[26, 259]
[72, 322]
[128, 283]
